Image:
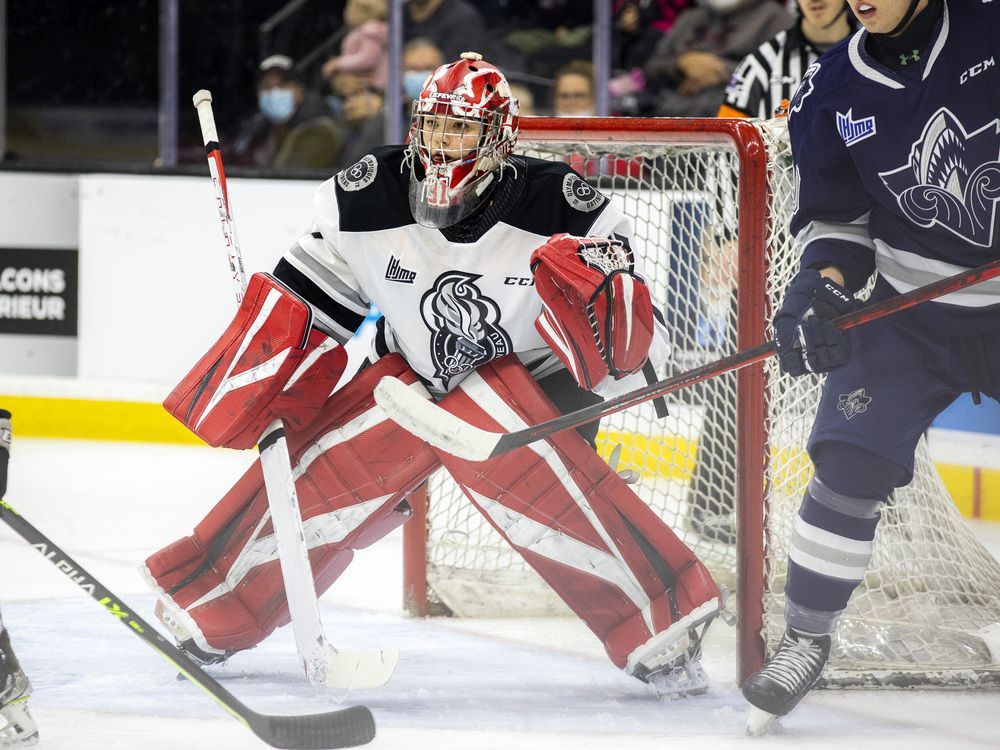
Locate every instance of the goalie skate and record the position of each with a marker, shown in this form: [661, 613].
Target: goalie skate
[17, 729]
[671, 660]
[792, 672]
[172, 619]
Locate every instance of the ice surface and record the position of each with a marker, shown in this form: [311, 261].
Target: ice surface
[462, 684]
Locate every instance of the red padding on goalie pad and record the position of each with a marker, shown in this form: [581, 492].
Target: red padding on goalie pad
[575, 521]
[268, 364]
[353, 467]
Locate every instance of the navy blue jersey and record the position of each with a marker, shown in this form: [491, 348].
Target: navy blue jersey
[899, 170]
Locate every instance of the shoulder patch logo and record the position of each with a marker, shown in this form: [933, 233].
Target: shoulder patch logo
[579, 194]
[852, 130]
[359, 175]
[805, 88]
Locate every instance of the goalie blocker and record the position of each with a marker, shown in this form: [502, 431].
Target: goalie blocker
[612, 560]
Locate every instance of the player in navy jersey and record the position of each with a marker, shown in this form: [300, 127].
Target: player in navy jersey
[896, 141]
[509, 291]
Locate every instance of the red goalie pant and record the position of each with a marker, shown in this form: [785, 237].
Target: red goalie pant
[578, 524]
[353, 467]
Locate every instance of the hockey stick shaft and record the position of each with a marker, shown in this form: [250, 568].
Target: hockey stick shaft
[322, 663]
[346, 727]
[447, 432]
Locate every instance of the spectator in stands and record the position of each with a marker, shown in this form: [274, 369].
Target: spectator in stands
[638, 26]
[358, 108]
[692, 63]
[774, 70]
[453, 25]
[294, 127]
[525, 99]
[421, 57]
[363, 49]
[573, 91]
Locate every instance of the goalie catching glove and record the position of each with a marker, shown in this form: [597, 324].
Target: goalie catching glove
[269, 364]
[598, 314]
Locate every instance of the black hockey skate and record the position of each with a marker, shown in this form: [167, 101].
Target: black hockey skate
[778, 687]
[17, 728]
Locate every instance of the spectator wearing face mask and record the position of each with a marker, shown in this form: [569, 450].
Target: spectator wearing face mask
[692, 63]
[293, 127]
[421, 57]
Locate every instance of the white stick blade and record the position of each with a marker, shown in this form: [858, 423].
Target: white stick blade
[359, 670]
[759, 722]
[430, 422]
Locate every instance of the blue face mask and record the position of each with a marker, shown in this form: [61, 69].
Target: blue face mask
[277, 104]
[413, 82]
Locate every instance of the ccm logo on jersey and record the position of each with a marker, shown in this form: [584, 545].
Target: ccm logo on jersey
[519, 281]
[976, 70]
[852, 130]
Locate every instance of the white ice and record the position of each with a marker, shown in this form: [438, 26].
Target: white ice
[531, 684]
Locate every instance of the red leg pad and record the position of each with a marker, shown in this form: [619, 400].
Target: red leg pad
[353, 467]
[576, 522]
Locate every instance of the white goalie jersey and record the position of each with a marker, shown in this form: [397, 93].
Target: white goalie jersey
[451, 299]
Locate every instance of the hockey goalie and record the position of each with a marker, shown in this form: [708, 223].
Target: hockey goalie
[509, 292]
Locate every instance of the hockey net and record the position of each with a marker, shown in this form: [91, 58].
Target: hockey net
[710, 202]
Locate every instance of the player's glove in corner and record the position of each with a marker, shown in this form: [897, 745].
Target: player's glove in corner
[806, 338]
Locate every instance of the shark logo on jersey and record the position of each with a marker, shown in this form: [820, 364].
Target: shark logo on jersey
[952, 179]
[464, 324]
[805, 88]
[852, 130]
[853, 403]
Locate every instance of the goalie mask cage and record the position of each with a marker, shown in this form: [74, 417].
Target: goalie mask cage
[710, 200]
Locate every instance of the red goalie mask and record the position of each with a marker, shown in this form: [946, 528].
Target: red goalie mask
[463, 129]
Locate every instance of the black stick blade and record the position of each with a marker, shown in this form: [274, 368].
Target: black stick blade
[348, 727]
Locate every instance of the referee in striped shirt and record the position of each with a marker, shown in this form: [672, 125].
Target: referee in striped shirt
[774, 70]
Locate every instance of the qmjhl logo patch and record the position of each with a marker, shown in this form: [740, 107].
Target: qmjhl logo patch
[395, 272]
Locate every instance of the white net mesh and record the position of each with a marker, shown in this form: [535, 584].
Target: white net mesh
[931, 587]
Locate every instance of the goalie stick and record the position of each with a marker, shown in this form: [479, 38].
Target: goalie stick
[346, 727]
[323, 664]
[443, 430]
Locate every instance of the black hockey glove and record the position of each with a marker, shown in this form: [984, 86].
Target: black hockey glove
[807, 340]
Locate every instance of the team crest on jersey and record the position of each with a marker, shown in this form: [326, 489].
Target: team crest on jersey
[853, 403]
[579, 194]
[852, 130]
[464, 324]
[952, 179]
[804, 90]
[359, 175]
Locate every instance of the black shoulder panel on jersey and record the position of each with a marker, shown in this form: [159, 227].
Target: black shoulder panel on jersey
[295, 280]
[555, 199]
[372, 194]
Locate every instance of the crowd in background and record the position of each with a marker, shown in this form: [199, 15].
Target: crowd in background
[672, 58]
[302, 84]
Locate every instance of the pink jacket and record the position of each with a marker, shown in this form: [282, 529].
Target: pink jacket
[364, 49]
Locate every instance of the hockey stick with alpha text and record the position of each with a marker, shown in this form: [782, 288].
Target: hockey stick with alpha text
[443, 430]
[323, 664]
[347, 727]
